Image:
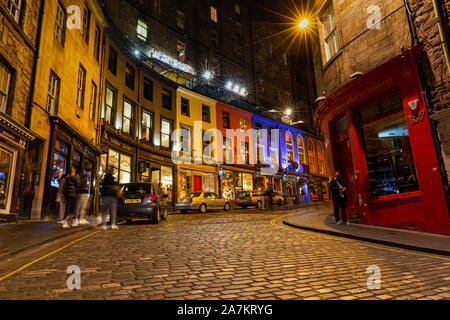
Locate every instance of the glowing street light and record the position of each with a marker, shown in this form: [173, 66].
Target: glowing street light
[207, 75]
[303, 24]
[288, 111]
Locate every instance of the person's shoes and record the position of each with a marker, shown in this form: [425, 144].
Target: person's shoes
[83, 221]
[103, 227]
[65, 225]
[74, 223]
[339, 222]
[347, 223]
[60, 221]
[114, 227]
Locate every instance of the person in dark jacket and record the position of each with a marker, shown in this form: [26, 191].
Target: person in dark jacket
[71, 191]
[338, 188]
[108, 189]
[83, 201]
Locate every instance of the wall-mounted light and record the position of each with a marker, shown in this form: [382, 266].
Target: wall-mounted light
[414, 105]
[320, 99]
[356, 74]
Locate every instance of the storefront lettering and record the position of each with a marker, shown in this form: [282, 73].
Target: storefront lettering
[416, 117]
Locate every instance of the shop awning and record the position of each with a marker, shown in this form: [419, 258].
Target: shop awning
[177, 76]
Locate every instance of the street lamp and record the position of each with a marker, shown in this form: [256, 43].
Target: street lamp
[303, 23]
[207, 75]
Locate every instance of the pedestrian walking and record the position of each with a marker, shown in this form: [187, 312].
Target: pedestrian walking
[109, 190]
[83, 201]
[338, 188]
[270, 196]
[71, 191]
[60, 198]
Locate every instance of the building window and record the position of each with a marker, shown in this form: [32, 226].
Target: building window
[389, 158]
[112, 61]
[214, 38]
[329, 32]
[148, 89]
[206, 113]
[311, 157]
[86, 23]
[59, 166]
[142, 30]
[320, 158]
[129, 76]
[110, 105]
[166, 131]
[225, 119]
[14, 7]
[180, 19]
[244, 152]
[185, 107]
[289, 147]
[237, 8]
[121, 165]
[93, 100]
[147, 125]
[5, 79]
[127, 117]
[238, 30]
[97, 43]
[53, 93]
[60, 23]
[81, 84]
[243, 124]
[166, 99]
[157, 7]
[180, 50]
[301, 150]
[214, 14]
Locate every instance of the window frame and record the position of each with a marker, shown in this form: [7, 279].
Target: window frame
[60, 27]
[168, 134]
[183, 20]
[152, 119]
[214, 15]
[169, 95]
[6, 95]
[112, 60]
[86, 23]
[18, 9]
[130, 77]
[97, 40]
[142, 25]
[150, 82]
[332, 35]
[56, 88]
[114, 104]
[209, 113]
[188, 113]
[124, 117]
[81, 87]
[93, 100]
[228, 119]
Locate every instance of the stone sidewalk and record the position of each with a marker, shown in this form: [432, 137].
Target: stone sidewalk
[322, 220]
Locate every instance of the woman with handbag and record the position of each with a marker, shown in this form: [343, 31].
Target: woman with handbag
[110, 192]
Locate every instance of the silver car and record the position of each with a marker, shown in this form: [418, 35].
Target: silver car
[202, 201]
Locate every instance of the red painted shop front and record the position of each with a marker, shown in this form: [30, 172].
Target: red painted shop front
[377, 133]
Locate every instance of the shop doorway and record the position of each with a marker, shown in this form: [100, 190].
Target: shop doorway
[346, 167]
[197, 183]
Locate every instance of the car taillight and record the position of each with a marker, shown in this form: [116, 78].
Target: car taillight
[152, 197]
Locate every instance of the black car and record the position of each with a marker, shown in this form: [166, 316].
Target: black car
[142, 200]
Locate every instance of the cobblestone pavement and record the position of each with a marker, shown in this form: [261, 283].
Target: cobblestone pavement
[228, 256]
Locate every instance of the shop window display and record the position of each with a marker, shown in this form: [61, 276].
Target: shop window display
[228, 185]
[387, 147]
[208, 182]
[6, 159]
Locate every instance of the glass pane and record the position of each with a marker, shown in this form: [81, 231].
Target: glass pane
[125, 177]
[109, 97]
[127, 109]
[165, 127]
[113, 160]
[390, 163]
[167, 181]
[125, 163]
[5, 168]
[61, 146]
[58, 169]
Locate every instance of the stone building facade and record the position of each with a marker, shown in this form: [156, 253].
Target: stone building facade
[379, 74]
[18, 31]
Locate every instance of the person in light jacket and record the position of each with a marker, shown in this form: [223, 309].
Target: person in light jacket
[60, 198]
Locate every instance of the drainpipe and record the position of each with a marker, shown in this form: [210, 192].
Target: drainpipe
[441, 28]
[28, 111]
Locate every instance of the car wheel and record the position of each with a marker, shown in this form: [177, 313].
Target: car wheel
[227, 206]
[259, 204]
[165, 214]
[202, 208]
[155, 216]
[280, 202]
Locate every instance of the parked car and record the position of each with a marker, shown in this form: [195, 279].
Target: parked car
[247, 199]
[202, 201]
[142, 200]
[277, 199]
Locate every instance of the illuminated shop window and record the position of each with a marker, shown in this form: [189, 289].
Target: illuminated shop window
[311, 157]
[142, 30]
[320, 158]
[301, 150]
[214, 14]
[289, 147]
[389, 158]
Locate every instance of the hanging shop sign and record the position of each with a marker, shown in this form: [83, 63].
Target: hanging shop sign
[172, 62]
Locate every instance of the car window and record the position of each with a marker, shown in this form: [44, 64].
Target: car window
[195, 194]
[214, 195]
[207, 195]
[137, 188]
[243, 194]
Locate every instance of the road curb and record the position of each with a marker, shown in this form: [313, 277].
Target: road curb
[10, 255]
[382, 242]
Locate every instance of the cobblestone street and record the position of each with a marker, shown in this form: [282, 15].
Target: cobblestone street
[227, 256]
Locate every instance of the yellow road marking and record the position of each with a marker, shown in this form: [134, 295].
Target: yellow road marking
[45, 256]
[274, 223]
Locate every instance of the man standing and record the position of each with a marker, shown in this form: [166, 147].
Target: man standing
[338, 188]
[71, 190]
[83, 201]
[109, 189]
